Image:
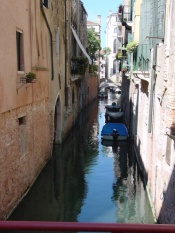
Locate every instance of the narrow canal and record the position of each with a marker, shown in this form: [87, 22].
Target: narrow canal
[86, 181]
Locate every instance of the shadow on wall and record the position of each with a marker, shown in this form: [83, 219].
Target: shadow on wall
[141, 164]
[167, 213]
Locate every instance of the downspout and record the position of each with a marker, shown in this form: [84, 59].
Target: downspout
[50, 33]
[150, 119]
[65, 28]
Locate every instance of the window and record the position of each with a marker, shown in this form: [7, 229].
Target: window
[46, 3]
[115, 30]
[20, 51]
[115, 46]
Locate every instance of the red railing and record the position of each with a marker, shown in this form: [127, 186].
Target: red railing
[85, 227]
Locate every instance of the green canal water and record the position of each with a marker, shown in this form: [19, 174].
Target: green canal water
[86, 181]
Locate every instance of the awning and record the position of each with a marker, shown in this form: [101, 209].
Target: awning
[80, 45]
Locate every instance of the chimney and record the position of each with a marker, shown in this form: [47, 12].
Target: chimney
[99, 19]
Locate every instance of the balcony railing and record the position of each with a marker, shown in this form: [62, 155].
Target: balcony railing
[85, 227]
[78, 65]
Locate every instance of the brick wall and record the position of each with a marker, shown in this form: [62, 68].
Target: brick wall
[25, 147]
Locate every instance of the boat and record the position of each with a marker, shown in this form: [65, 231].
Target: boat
[113, 113]
[113, 107]
[113, 116]
[102, 95]
[118, 93]
[114, 131]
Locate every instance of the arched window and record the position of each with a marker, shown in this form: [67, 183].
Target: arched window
[115, 46]
[115, 30]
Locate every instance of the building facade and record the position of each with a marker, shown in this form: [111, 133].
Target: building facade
[42, 91]
[114, 41]
[96, 27]
[151, 101]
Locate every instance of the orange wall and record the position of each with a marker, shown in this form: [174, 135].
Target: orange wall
[23, 16]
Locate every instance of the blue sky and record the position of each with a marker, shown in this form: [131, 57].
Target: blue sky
[101, 7]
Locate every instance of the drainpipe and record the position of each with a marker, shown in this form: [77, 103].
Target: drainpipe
[65, 28]
[50, 33]
[152, 85]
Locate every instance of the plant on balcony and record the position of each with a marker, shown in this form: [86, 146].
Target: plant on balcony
[131, 47]
[124, 68]
[93, 69]
[120, 8]
[119, 56]
[30, 77]
[78, 65]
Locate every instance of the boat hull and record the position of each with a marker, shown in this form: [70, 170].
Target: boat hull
[113, 116]
[109, 132]
[113, 113]
[110, 137]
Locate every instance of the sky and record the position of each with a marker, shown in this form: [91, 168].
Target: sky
[101, 7]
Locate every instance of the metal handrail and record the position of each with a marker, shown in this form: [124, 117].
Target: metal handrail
[85, 227]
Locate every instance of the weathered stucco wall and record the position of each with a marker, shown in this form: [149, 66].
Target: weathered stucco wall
[155, 139]
[25, 141]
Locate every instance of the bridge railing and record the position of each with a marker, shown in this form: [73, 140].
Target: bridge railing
[85, 227]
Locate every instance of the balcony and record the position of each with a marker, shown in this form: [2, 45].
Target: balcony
[78, 66]
[140, 71]
[127, 17]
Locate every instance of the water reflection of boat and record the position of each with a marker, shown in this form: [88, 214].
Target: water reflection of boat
[114, 132]
[112, 143]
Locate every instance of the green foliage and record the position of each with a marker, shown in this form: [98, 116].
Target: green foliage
[107, 50]
[119, 56]
[40, 68]
[124, 67]
[93, 69]
[79, 65]
[120, 9]
[30, 77]
[93, 44]
[131, 47]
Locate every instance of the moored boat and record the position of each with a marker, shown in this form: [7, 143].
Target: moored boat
[114, 131]
[103, 95]
[113, 113]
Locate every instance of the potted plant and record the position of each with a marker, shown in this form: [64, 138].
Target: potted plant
[120, 9]
[131, 47]
[93, 69]
[124, 68]
[119, 56]
[30, 77]
[78, 65]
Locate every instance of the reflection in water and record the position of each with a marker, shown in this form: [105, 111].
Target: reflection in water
[128, 189]
[87, 181]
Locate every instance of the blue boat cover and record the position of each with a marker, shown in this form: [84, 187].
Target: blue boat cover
[109, 127]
